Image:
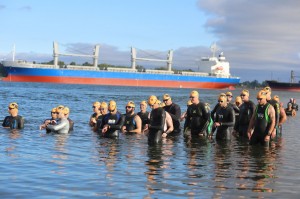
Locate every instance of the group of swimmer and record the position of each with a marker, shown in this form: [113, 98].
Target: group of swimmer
[259, 123]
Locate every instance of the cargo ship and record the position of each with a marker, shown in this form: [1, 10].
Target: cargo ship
[219, 76]
[285, 86]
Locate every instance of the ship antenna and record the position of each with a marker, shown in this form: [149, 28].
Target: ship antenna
[214, 49]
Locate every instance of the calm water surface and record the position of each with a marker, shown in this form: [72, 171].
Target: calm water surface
[83, 165]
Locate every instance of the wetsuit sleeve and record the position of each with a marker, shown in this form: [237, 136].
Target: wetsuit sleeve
[235, 108]
[212, 113]
[57, 126]
[231, 118]
[21, 122]
[176, 116]
[187, 119]
[120, 123]
[205, 113]
[5, 122]
[162, 123]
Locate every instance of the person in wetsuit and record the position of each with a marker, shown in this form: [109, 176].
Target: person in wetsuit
[238, 103]
[144, 115]
[225, 120]
[159, 126]
[71, 122]
[282, 115]
[276, 106]
[289, 111]
[246, 112]
[294, 105]
[53, 120]
[198, 116]
[174, 111]
[133, 122]
[95, 115]
[262, 122]
[63, 124]
[112, 122]
[103, 110]
[14, 121]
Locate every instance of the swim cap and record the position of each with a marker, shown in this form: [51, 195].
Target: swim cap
[276, 97]
[262, 94]
[97, 104]
[112, 105]
[13, 105]
[245, 92]
[222, 94]
[152, 100]
[222, 98]
[103, 105]
[194, 94]
[160, 104]
[54, 110]
[59, 108]
[189, 102]
[267, 89]
[65, 110]
[229, 93]
[166, 97]
[144, 103]
[130, 103]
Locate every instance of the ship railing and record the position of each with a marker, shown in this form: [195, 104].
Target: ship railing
[194, 73]
[159, 71]
[122, 69]
[74, 67]
[25, 64]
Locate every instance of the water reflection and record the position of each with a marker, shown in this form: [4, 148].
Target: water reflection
[61, 156]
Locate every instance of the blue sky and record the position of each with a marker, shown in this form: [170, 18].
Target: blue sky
[259, 37]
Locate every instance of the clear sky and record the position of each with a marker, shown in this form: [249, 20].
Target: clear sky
[260, 38]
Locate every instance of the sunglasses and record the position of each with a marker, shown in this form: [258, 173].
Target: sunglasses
[220, 101]
[54, 112]
[101, 109]
[10, 108]
[129, 107]
[259, 99]
[165, 100]
[242, 95]
[192, 97]
[229, 95]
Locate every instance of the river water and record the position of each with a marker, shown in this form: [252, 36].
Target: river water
[83, 165]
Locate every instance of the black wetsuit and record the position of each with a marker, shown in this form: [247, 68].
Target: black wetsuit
[295, 106]
[276, 106]
[288, 112]
[115, 121]
[246, 111]
[13, 122]
[197, 119]
[144, 117]
[226, 117]
[71, 123]
[261, 126]
[175, 113]
[129, 122]
[156, 125]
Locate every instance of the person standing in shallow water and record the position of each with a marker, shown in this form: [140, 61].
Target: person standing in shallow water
[174, 111]
[133, 122]
[52, 120]
[14, 121]
[246, 111]
[63, 124]
[225, 120]
[144, 115]
[95, 115]
[198, 116]
[112, 122]
[262, 122]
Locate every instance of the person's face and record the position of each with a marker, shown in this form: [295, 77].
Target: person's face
[103, 111]
[167, 102]
[129, 109]
[261, 101]
[244, 96]
[194, 99]
[229, 98]
[222, 102]
[54, 115]
[12, 110]
[143, 107]
[95, 109]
